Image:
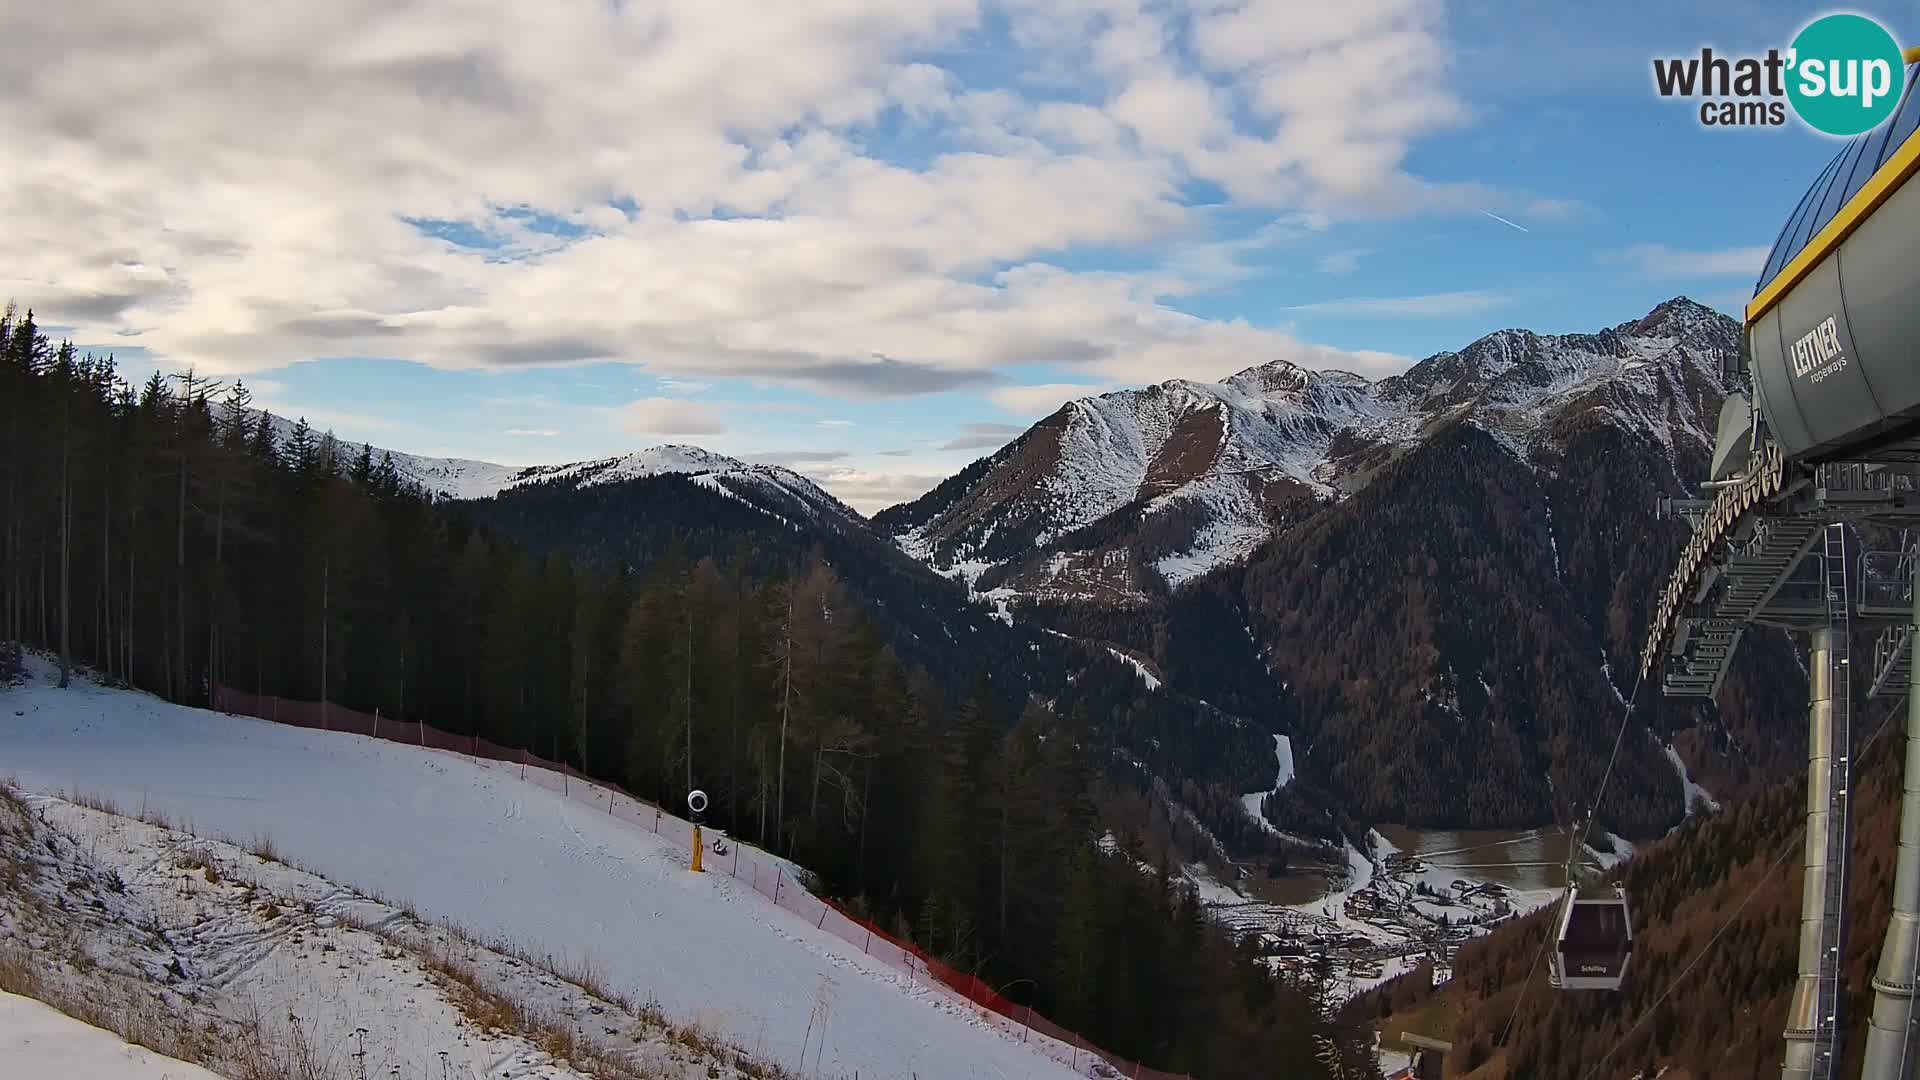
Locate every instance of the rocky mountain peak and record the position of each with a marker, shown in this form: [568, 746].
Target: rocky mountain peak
[1137, 489]
[1679, 317]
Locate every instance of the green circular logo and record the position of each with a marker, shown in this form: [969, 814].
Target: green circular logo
[1844, 74]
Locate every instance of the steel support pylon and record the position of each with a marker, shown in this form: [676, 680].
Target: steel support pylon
[1801, 1025]
[1893, 1051]
[1815, 1020]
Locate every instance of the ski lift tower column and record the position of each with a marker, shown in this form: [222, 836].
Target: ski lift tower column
[1813, 1025]
[1892, 1049]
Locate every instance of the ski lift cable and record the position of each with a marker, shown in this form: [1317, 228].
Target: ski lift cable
[1531, 836]
[1726, 925]
[1551, 934]
[1546, 939]
[1778, 860]
[1593, 808]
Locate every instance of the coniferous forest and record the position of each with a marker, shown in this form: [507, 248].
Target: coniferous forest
[163, 535]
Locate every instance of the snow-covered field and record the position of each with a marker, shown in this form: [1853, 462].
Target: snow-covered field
[37, 1040]
[511, 862]
[252, 966]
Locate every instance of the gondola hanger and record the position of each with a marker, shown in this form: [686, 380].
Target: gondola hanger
[1593, 933]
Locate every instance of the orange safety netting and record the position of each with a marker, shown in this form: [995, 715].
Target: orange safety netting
[770, 876]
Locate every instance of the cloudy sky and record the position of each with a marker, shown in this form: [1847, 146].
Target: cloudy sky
[872, 239]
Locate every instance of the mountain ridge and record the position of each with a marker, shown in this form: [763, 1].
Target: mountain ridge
[1321, 511]
[1180, 477]
[470, 478]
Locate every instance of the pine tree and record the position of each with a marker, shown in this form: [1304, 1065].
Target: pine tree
[263, 447]
[1077, 966]
[302, 451]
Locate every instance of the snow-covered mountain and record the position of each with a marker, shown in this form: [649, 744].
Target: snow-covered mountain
[766, 487]
[1117, 495]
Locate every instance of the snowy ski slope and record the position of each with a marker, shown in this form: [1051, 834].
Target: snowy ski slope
[507, 859]
[37, 1040]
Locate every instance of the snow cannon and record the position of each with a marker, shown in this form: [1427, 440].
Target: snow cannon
[697, 805]
[1833, 333]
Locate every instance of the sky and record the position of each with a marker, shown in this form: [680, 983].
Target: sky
[869, 240]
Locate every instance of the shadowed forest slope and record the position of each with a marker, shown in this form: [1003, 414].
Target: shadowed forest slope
[1739, 870]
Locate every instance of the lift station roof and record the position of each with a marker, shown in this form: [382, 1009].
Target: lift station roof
[1833, 331]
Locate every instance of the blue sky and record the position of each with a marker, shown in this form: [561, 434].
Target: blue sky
[867, 242]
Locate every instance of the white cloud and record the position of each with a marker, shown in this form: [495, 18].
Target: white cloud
[1219, 261]
[1040, 399]
[671, 416]
[869, 491]
[1428, 305]
[532, 433]
[1341, 262]
[976, 442]
[1659, 260]
[983, 436]
[711, 224]
[833, 423]
[684, 386]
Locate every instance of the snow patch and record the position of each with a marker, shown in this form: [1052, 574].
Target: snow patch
[1220, 544]
[1145, 675]
[39, 1040]
[1695, 794]
[1283, 755]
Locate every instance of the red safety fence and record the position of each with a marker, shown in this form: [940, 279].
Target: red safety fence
[768, 875]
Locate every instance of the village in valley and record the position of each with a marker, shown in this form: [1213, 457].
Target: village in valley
[1394, 912]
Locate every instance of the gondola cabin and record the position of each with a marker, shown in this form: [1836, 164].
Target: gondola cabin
[1595, 940]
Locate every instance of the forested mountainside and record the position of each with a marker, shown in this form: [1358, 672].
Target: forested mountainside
[1735, 877]
[927, 620]
[164, 536]
[1440, 609]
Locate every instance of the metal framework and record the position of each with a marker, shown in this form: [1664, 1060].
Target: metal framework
[1771, 549]
[1830, 439]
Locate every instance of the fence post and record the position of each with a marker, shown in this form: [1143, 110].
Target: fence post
[376, 721]
[736, 858]
[823, 918]
[867, 945]
[523, 763]
[777, 873]
[656, 821]
[1026, 1025]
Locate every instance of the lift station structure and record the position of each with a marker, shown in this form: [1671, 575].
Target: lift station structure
[1824, 441]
